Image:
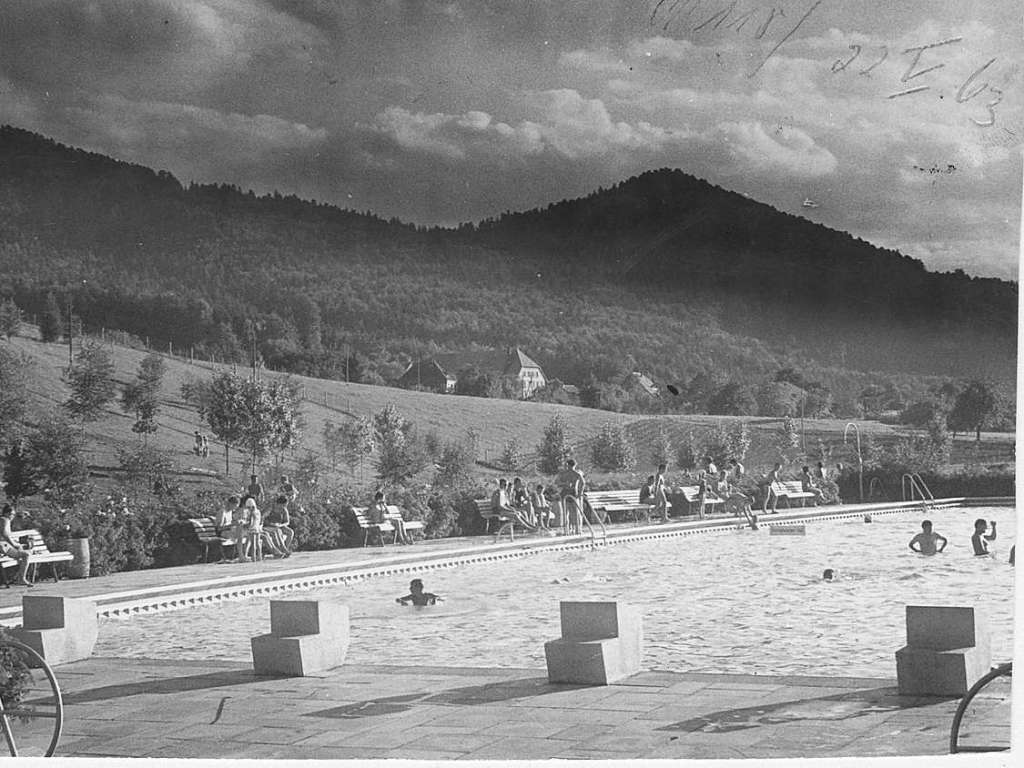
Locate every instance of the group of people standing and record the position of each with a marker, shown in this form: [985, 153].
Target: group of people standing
[930, 542]
[257, 534]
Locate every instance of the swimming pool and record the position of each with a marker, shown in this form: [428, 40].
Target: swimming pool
[731, 602]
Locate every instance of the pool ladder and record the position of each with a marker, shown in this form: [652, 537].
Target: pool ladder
[912, 483]
[590, 527]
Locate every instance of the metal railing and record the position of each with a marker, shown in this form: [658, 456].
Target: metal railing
[912, 483]
[954, 732]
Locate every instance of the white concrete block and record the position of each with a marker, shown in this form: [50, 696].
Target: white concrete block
[928, 672]
[297, 656]
[944, 628]
[289, 618]
[59, 629]
[787, 530]
[306, 636]
[601, 642]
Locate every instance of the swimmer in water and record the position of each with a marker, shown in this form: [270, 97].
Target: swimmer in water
[926, 540]
[980, 539]
[829, 575]
[417, 596]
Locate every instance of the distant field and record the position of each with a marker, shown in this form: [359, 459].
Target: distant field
[449, 416]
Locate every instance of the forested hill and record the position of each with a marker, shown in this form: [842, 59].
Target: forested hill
[663, 273]
[667, 228]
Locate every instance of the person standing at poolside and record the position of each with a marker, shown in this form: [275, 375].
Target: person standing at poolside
[659, 494]
[927, 539]
[980, 539]
[571, 486]
[769, 492]
[255, 489]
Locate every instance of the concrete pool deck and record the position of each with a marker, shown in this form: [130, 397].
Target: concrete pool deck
[141, 708]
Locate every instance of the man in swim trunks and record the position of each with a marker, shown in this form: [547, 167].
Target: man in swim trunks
[980, 539]
[417, 596]
[571, 485]
[926, 540]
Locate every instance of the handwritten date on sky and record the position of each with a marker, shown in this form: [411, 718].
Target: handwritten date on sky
[772, 22]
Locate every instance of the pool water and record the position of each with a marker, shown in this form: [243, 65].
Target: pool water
[733, 602]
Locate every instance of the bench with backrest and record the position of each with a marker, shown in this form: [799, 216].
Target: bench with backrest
[39, 554]
[612, 503]
[789, 490]
[505, 522]
[367, 527]
[206, 534]
[692, 495]
[411, 526]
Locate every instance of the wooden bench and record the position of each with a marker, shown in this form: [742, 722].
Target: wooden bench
[411, 526]
[692, 495]
[791, 489]
[367, 527]
[611, 502]
[39, 554]
[206, 534]
[506, 522]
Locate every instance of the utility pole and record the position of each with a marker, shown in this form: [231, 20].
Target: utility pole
[71, 332]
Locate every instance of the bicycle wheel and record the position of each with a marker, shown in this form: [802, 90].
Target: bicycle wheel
[982, 721]
[31, 707]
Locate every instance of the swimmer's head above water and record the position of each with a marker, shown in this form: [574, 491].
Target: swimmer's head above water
[829, 575]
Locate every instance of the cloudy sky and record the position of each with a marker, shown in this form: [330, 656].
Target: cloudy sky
[901, 119]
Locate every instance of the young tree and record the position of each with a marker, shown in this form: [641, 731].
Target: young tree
[331, 438]
[55, 456]
[455, 465]
[400, 453]
[51, 322]
[14, 369]
[662, 448]
[788, 439]
[255, 416]
[19, 478]
[357, 441]
[511, 457]
[974, 406]
[612, 449]
[10, 318]
[737, 440]
[554, 447]
[92, 382]
[141, 396]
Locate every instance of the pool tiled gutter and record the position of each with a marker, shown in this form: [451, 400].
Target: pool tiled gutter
[169, 588]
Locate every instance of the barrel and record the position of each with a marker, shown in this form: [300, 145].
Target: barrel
[78, 568]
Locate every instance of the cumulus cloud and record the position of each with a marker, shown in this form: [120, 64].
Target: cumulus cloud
[783, 149]
[561, 122]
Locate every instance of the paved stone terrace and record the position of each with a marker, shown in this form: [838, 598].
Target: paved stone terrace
[143, 708]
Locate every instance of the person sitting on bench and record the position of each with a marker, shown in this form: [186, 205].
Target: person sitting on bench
[11, 548]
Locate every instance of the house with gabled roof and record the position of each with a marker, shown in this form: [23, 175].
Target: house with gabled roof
[644, 382]
[518, 373]
[427, 374]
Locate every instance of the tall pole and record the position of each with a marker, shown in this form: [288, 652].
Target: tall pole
[860, 457]
[71, 332]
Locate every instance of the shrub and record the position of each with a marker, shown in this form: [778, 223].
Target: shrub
[661, 448]
[612, 449]
[554, 447]
[318, 525]
[511, 457]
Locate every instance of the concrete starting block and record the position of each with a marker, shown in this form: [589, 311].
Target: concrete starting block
[601, 642]
[306, 636]
[788, 530]
[60, 629]
[947, 651]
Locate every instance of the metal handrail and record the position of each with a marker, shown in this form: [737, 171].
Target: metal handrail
[876, 481]
[954, 731]
[912, 481]
[583, 516]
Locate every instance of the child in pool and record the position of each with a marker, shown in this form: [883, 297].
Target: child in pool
[417, 596]
[980, 540]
